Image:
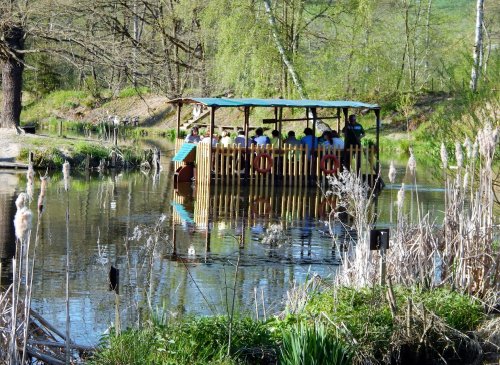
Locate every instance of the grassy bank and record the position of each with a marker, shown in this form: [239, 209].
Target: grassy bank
[345, 324]
[51, 152]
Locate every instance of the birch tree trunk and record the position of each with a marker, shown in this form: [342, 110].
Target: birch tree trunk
[478, 45]
[295, 78]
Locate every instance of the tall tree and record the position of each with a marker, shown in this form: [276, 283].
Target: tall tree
[12, 37]
[478, 46]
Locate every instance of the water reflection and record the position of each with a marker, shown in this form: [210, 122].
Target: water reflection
[188, 250]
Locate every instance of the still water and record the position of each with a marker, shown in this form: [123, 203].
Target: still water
[186, 251]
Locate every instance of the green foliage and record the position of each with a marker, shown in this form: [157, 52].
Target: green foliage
[45, 79]
[367, 316]
[459, 311]
[191, 341]
[91, 149]
[313, 345]
[48, 158]
[91, 86]
[61, 100]
[133, 91]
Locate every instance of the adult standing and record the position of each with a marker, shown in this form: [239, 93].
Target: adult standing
[353, 132]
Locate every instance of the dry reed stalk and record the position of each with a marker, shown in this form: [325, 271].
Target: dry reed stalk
[460, 251]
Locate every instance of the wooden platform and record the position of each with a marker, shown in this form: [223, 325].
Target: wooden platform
[13, 165]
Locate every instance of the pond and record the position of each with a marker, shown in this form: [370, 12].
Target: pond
[187, 250]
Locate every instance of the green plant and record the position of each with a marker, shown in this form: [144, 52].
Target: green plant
[189, 341]
[313, 344]
[133, 91]
[96, 151]
[459, 311]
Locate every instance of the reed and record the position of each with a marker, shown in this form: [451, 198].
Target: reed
[458, 251]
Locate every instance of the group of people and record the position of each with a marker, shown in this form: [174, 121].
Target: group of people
[353, 132]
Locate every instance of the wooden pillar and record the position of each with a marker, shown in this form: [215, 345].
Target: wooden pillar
[307, 117]
[313, 149]
[210, 153]
[338, 121]
[245, 125]
[178, 129]
[280, 126]
[276, 118]
[346, 116]
[377, 141]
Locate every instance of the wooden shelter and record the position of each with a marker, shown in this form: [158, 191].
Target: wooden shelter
[282, 164]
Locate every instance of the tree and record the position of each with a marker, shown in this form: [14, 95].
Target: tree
[478, 46]
[12, 37]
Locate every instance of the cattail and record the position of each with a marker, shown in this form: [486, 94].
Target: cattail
[412, 163]
[65, 170]
[43, 191]
[22, 201]
[444, 156]
[475, 149]
[401, 197]
[30, 187]
[487, 140]
[459, 154]
[392, 173]
[22, 223]
[468, 147]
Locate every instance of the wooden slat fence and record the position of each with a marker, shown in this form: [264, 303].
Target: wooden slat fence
[264, 166]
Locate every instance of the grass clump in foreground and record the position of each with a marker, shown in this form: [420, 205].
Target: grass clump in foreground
[422, 325]
[191, 341]
[341, 326]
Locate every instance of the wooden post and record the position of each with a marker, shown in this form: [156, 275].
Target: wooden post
[210, 154]
[377, 141]
[59, 132]
[115, 136]
[247, 156]
[314, 140]
[307, 117]
[346, 116]
[178, 129]
[338, 120]
[276, 118]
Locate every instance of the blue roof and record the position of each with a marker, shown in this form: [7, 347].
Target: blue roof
[304, 103]
[183, 152]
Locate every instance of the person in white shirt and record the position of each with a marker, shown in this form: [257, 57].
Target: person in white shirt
[226, 139]
[193, 137]
[207, 139]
